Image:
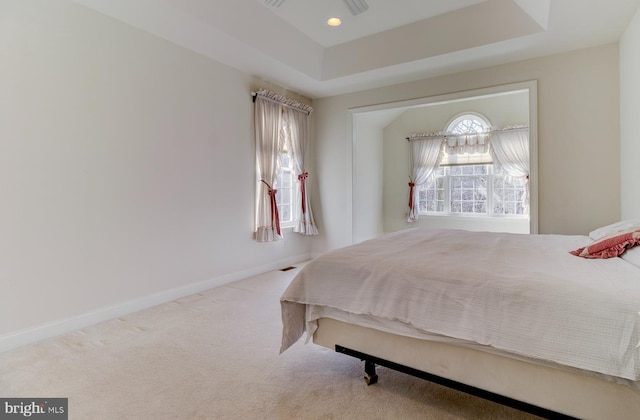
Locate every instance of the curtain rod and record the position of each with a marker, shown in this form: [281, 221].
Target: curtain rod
[303, 108]
[435, 136]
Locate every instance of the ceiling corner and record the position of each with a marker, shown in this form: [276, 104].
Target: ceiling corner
[539, 10]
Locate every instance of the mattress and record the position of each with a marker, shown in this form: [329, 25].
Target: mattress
[522, 295]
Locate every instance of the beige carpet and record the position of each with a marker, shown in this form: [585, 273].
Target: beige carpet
[214, 355]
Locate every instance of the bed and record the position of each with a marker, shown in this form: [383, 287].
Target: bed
[549, 324]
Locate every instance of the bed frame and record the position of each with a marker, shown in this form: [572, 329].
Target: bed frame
[542, 390]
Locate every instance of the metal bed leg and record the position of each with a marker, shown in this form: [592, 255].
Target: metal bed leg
[370, 370]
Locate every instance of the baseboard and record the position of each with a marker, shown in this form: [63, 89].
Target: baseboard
[52, 329]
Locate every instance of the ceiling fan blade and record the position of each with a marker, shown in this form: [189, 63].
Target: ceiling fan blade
[356, 6]
[273, 3]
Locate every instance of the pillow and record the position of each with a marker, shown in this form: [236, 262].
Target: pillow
[632, 256]
[621, 226]
[610, 246]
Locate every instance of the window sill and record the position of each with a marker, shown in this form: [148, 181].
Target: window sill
[286, 229]
[475, 216]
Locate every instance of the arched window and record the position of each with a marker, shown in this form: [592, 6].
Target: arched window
[468, 123]
[468, 183]
[471, 149]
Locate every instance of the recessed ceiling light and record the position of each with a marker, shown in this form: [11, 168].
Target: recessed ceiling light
[334, 21]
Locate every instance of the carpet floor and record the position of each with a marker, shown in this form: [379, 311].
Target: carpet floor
[214, 355]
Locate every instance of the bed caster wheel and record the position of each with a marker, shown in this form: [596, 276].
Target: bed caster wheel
[370, 380]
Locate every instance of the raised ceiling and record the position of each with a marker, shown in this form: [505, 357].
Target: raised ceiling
[391, 42]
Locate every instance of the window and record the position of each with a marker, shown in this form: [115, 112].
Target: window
[468, 124]
[285, 185]
[469, 183]
[281, 134]
[472, 190]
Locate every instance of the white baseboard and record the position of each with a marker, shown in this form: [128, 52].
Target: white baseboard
[52, 329]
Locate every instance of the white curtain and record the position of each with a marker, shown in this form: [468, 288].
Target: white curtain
[267, 134]
[425, 157]
[509, 149]
[296, 134]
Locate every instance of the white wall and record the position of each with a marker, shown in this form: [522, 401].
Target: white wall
[578, 138]
[500, 110]
[629, 115]
[126, 171]
[367, 180]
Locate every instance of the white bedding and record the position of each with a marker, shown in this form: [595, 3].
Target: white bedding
[521, 294]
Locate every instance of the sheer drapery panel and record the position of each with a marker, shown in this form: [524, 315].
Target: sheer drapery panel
[425, 156]
[296, 135]
[267, 135]
[509, 149]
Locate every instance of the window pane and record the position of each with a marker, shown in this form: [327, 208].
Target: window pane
[284, 212]
[468, 189]
[285, 196]
[422, 200]
[285, 180]
[430, 195]
[467, 182]
[508, 195]
[284, 185]
[284, 160]
[480, 169]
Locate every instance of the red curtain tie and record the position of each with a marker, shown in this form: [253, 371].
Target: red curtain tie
[302, 178]
[275, 217]
[411, 185]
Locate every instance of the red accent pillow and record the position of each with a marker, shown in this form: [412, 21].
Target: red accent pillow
[610, 246]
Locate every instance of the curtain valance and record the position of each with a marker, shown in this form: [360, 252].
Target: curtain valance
[473, 143]
[274, 97]
[467, 143]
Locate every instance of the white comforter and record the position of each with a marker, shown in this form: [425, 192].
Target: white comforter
[523, 294]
